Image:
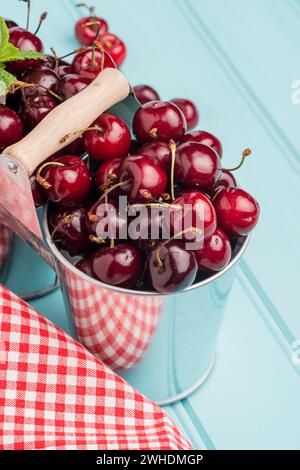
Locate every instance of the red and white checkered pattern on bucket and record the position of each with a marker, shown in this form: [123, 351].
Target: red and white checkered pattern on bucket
[55, 395]
[116, 327]
[5, 239]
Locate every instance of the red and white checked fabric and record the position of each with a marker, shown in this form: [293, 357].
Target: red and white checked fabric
[54, 394]
[117, 328]
[5, 239]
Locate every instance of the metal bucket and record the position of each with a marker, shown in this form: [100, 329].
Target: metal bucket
[145, 334]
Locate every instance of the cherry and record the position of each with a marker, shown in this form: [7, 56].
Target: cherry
[38, 195]
[74, 148]
[119, 266]
[215, 253]
[11, 127]
[197, 166]
[10, 23]
[159, 151]
[90, 62]
[100, 230]
[35, 108]
[72, 84]
[227, 180]
[172, 267]
[151, 226]
[189, 110]
[196, 212]
[88, 29]
[159, 120]
[66, 181]
[45, 77]
[145, 93]
[63, 70]
[143, 179]
[70, 229]
[25, 41]
[108, 138]
[206, 138]
[85, 265]
[237, 211]
[107, 173]
[115, 47]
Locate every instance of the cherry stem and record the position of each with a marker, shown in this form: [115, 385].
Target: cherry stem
[28, 13]
[173, 148]
[66, 220]
[112, 188]
[64, 139]
[40, 179]
[179, 234]
[163, 205]
[97, 240]
[79, 49]
[19, 85]
[55, 58]
[91, 9]
[94, 23]
[245, 154]
[42, 19]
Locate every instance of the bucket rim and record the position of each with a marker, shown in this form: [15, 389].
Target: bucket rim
[67, 264]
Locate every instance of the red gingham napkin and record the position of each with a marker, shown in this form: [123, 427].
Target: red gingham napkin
[5, 238]
[54, 394]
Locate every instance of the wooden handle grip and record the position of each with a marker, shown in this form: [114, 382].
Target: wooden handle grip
[75, 114]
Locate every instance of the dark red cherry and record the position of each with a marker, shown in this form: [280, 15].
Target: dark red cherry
[63, 70]
[215, 253]
[45, 77]
[70, 229]
[206, 138]
[10, 23]
[89, 65]
[159, 120]
[107, 173]
[237, 211]
[72, 84]
[189, 110]
[11, 127]
[74, 148]
[35, 108]
[105, 221]
[196, 212]
[38, 194]
[66, 181]
[112, 140]
[148, 226]
[145, 93]
[227, 180]
[143, 178]
[197, 166]
[172, 267]
[119, 266]
[25, 41]
[87, 33]
[159, 151]
[115, 47]
[85, 265]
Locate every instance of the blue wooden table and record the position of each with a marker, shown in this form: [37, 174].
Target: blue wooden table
[238, 60]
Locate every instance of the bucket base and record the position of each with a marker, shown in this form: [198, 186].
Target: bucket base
[189, 391]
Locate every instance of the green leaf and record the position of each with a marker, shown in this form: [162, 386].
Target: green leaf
[9, 52]
[6, 80]
[4, 34]
[30, 55]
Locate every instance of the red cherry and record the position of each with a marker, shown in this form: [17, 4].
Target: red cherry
[10, 23]
[151, 227]
[237, 211]
[119, 266]
[70, 229]
[38, 195]
[227, 180]
[197, 166]
[145, 93]
[63, 70]
[112, 140]
[11, 127]
[159, 151]
[205, 138]
[35, 108]
[159, 120]
[172, 267]
[146, 180]
[197, 212]
[45, 77]
[189, 110]
[74, 148]
[115, 47]
[87, 33]
[85, 265]
[97, 222]
[215, 253]
[66, 181]
[25, 41]
[107, 173]
[72, 84]
[87, 67]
